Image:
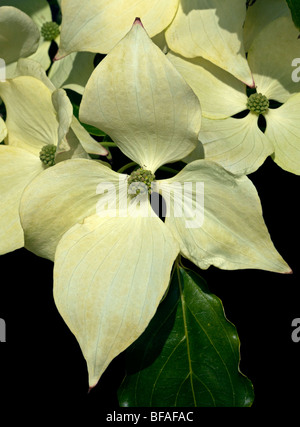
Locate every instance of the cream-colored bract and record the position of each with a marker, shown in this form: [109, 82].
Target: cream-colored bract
[284, 132]
[237, 144]
[207, 81]
[270, 58]
[73, 71]
[112, 268]
[19, 36]
[109, 277]
[144, 105]
[17, 168]
[3, 129]
[31, 119]
[212, 29]
[97, 25]
[231, 234]
[62, 196]
[260, 14]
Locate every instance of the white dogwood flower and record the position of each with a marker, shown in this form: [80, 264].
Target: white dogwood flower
[112, 265]
[40, 130]
[238, 143]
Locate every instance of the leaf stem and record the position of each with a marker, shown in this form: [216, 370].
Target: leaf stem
[167, 169]
[127, 166]
[108, 144]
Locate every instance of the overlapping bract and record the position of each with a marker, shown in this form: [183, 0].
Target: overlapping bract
[206, 28]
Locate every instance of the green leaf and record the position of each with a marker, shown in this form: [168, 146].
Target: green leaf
[189, 354]
[294, 6]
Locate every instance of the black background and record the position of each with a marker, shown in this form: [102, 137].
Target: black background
[41, 360]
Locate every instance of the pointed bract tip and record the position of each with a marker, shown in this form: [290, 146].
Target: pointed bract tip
[104, 153]
[138, 21]
[92, 384]
[90, 389]
[252, 85]
[58, 56]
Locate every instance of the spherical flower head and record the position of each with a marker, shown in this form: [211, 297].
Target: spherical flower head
[258, 103]
[47, 154]
[50, 30]
[140, 181]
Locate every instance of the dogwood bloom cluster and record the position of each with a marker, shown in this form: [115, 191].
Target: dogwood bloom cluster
[113, 255]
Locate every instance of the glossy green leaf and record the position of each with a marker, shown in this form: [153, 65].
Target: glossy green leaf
[189, 354]
[294, 6]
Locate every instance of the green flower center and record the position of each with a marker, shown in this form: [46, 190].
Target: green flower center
[258, 103]
[50, 30]
[140, 181]
[47, 154]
